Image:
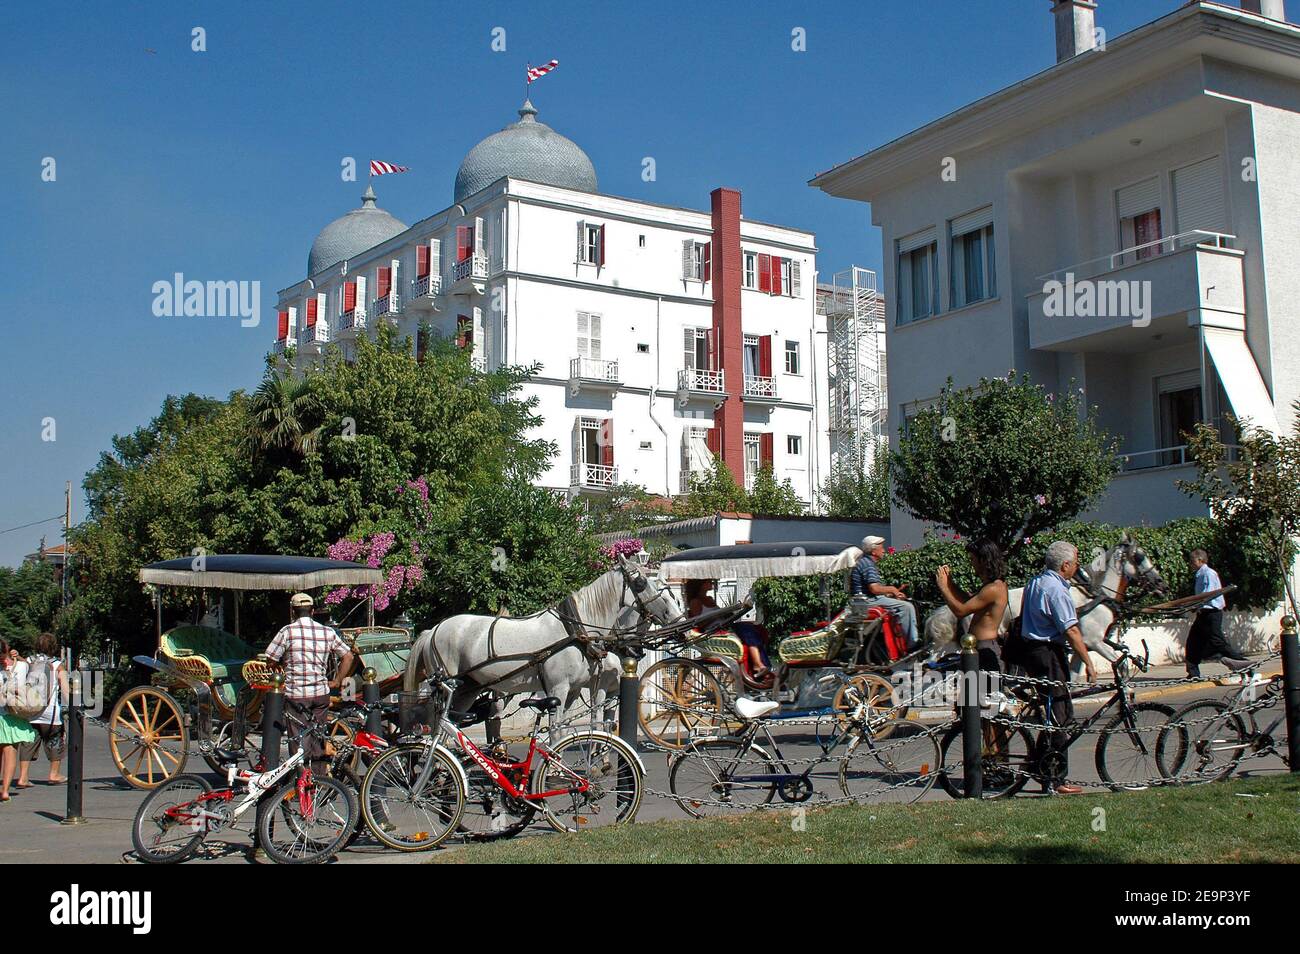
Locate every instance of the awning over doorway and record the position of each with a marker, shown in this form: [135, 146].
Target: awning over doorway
[1241, 378]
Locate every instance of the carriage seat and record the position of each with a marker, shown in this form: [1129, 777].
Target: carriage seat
[813, 647]
[211, 655]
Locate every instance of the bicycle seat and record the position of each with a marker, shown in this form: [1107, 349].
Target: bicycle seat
[749, 709]
[546, 704]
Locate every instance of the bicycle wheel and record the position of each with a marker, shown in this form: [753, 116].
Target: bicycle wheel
[876, 692]
[492, 813]
[396, 814]
[678, 700]
[708, 777]
[899, 766]
[308, 825]
[1204, 742]
[160, 838]
[596, 778]
[1007, 761]
[1126, 748]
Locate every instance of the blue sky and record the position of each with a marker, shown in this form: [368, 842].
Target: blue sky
[224, 164]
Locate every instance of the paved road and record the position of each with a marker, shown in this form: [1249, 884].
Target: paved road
[30, 832]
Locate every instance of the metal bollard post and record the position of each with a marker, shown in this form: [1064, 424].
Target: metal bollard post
[75, 727]
[273, 721]
[972, 731]
[629, 685]
[370, 696]
[1291, 689]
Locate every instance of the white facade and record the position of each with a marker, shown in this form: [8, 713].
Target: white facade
[600, 292]
[1164, 166]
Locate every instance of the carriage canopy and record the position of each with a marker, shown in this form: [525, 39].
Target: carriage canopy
[756, 560]
[258, 572]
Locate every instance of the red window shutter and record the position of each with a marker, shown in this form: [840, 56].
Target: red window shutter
[708, 262]
[284, 325]
[422, 261]
[383, 282]
[600, 246]
[765, 356]
[607, 449]
[464, 242]
[349, 296]
[765, 273]
[713, 440]
[765, 451]
[311, 312]
[776, 275]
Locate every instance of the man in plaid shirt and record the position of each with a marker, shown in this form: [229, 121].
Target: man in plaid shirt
[304, 648]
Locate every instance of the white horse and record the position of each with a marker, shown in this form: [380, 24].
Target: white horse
[514, 655]
[1109, 574]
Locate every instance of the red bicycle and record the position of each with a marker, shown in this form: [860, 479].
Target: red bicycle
[415, 795]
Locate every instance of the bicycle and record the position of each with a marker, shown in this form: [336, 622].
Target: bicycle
[414, 796]
[303, 819]
[1011, 756]
[719, 774]
[1207, 740]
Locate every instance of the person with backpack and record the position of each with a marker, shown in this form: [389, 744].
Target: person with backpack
[14, 730]
[49, 724]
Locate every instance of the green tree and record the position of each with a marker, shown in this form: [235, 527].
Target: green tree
[772, 499]
[285, 414]
[852, 492]
[713, 491]
[1003, 461]
[29, 601]
[623, 508]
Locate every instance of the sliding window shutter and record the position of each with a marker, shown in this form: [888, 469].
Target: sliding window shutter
[1198, 197]
[910, 243]
[972, 221]
[1140, 197]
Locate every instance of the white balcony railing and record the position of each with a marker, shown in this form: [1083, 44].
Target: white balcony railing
[386, 307]
[352, 320]
[424, 290]
[317, 334]
[760, 386]
[593, 369]
[593, 476]
[475, 266]
[700, 379]
[1138, 253]
[1165, 457]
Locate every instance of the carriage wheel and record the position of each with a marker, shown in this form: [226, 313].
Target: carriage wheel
[878, 694]
[679, 700]
[148, 737]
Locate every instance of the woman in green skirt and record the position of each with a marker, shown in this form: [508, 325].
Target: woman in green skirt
[13, 730]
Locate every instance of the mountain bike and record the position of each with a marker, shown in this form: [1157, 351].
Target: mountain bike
[1206, 741]
[302, 818]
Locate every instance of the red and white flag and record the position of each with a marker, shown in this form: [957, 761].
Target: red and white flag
[537, 72]
[378, 168]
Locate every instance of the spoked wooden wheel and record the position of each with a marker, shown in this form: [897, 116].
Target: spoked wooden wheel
[878, 694]
[148, 737]
[679, 700]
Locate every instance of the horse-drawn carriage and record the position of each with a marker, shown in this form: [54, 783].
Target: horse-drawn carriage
[691, 691]
[208, 683]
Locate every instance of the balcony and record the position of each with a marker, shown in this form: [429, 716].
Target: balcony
[593, 476]
[760, 389]
[350, 322]
[313, 338]
[592, 374]
[700, 384]
[279, 346]
[424, 291]
[467, 275]
[386, 307]
[1161, 290]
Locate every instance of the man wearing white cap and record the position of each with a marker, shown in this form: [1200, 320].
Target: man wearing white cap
[866, 581]
[304, 648]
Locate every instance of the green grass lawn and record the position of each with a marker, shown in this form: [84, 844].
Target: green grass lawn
[1212, 824]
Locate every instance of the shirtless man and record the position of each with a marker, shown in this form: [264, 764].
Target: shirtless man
[987, 607]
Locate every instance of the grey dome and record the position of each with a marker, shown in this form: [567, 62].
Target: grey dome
[526, 150]
[351, 234]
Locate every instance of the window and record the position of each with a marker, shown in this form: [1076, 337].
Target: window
[588, 336]
[750, 274]
[918, 277]
[771, 274]
[698, 353]
[591, 243]
[697, 261]
[753, 454]
[697, 458]
[642, 348]
[973, 262]
[786, 278]
[1138, 209]
[640, 241]
[792, 357]
[793, 445]
[465, 242]
[1198, 197]
[750, 351]
[465, 332]
[1179, 411]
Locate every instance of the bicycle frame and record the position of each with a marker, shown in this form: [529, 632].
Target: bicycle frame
[258, 784]
[831, 743]
[498, 771]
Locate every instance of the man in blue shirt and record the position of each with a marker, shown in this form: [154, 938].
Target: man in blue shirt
[866, 581]
[1205, 638]
[1049, 625]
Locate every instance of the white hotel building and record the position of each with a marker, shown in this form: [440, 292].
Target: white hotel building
[1167, 159]
[663, 335]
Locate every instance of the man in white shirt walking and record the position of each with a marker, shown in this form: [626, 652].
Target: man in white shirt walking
[1205, 638]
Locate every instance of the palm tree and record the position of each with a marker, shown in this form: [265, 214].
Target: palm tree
[286, 414]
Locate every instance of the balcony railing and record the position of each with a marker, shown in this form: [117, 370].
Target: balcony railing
[594, 369]
[386, 307]
[593, 476]
[425, 290]
[280, 345]
[475, 266]
[685, 478]
[1140, 253]
[760, 387]
[700, 379]
[353, 320]
[316, 335]
[1166, 457]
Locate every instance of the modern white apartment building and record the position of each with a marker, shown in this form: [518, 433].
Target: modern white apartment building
[664, 335]
[1126, 222]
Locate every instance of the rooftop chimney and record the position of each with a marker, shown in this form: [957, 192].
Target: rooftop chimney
[1274, 9]
[1076, 27]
